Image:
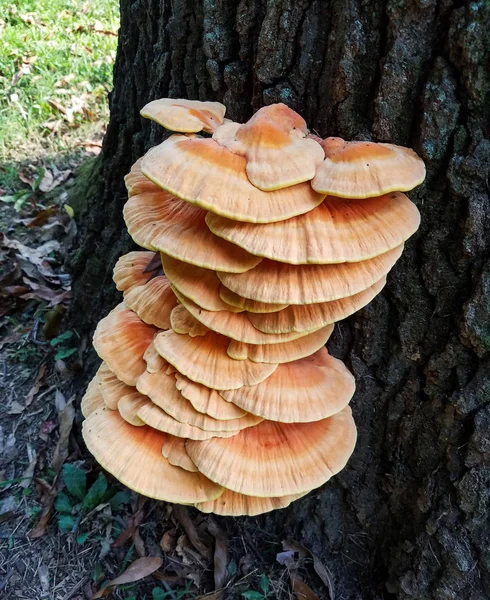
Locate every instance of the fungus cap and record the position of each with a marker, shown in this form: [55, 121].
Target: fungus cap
[308, 317]
[275, 146]
[251, 306]
[154, 362]
[92, 399]
[120, 340]
[162, 391]
[147, 292]
[280, 353]
[136, 182]
[272, 281]
[366, 169]
[204, 360]
[130, 270]
[208, 175]
[158, 419]
[309, 389]
[278, 459]
[173, 449]
[236, 326]
[207, 400]
[158, 221]
[232, 504]
[153, 302]
[336, 231]
[111, 388]
[198, 284]
[134, 456]
[185, 115]
[185, 323]
[129, 405]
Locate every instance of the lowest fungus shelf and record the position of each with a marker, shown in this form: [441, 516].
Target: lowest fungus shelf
[216, 389]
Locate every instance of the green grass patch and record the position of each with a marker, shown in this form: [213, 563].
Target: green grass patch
[56, 59]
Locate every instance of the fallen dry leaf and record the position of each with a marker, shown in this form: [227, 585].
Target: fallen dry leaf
[53, 125]
[42, 216]
[286, 558]
[220, 553]
[52, 321]
[38, 383]
[140, 568]
[40, 528]
[65, 80]
[59, 401]
[16, 408]
[92, 147]
[49, 493]
[29, 18]
[190, 557]
[15, 290]
[138, 543]
[24, 70]
[8, 447]
[27, 274]
[320, 569]
[44, 293]
[26, 178]
[168, 542]
[57, 105]
[302, 591]
[246, 563]
[13, 338]
[65, 419]
[46, 181]
[133, 523]
[8, 509]
[99, 28]
[36, 257]
[51, 181]
[43, 574]
[182, 515]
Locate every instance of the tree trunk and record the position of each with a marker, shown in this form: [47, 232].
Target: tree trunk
[409, 516]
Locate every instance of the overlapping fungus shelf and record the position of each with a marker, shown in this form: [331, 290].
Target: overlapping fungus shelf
[216, 388]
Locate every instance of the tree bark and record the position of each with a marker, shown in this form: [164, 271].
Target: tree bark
[409, 516]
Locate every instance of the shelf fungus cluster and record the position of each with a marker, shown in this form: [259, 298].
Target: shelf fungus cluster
[216, 389]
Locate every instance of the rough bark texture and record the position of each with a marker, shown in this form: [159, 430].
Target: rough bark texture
[409, 516]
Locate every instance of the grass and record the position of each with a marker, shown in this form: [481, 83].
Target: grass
[56, 59]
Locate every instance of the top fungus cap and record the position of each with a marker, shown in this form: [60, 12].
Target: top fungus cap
[276, 148]
[366, 169]
[187, 116]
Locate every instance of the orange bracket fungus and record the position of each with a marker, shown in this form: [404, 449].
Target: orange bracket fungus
[216, 389]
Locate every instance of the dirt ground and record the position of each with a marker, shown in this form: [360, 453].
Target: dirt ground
[59, 541]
